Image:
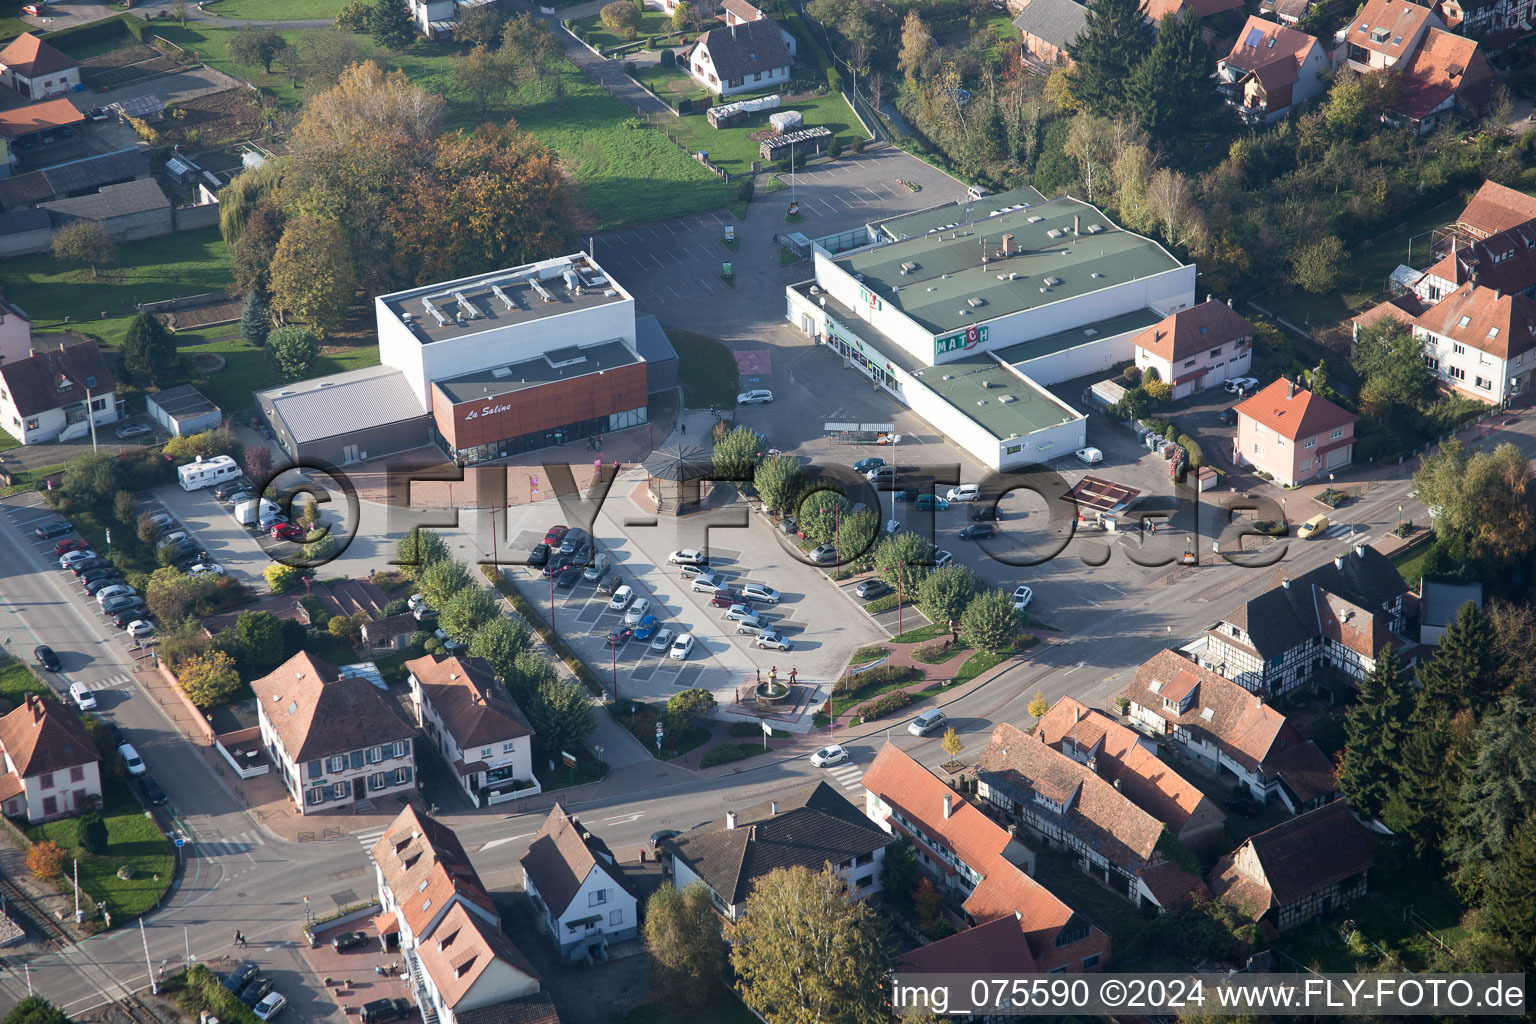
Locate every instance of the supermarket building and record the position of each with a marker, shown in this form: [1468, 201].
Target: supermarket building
[967, 312]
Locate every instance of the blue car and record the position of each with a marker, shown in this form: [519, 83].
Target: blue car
[645, 628]
[932, 501]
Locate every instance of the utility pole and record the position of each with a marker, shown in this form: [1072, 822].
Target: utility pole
[91, 416]
[149, 965]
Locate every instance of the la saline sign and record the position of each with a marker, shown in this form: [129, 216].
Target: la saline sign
[486, 410]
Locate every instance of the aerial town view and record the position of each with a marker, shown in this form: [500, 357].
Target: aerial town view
[655, 511]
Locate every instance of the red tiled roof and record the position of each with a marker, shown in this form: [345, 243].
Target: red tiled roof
[1294, 415]
[29, 57]
[463, 948]
[1505, 261]
[45, 736]
[424, 866]
[1170, 885]
[997, 946]
[742, 10]
[1156, 9]
[1444, 64]
[1401, 19]
[56, 378]
[1304, 854]
[1194, 330]
[1494, 208]
[1007, 892]
[1499, 324]
[316, 714]
[39, 117]
[900, 781]
[1401, 307]
[464, 694]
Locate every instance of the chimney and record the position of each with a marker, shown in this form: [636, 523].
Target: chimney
[1338, 562]
[1077, 713]
[730, 819]
[1117, 785]
[1093, 764]
[1290, 387]
[1359, 550]
[1229, 303]
[949, 805]
[1209, 297]
[1007, 245]
[1286, 584]
[1260, 697]
[36, 704]
[773, 808]
[1077, 223]
[752, 833]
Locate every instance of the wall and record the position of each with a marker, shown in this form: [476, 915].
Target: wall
[541, 408]
[200, 725]
[15, 337]
[23, 243]
[1093, 356]
[187, 218]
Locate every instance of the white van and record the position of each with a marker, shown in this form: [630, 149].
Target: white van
[258, 512]
[207, 472]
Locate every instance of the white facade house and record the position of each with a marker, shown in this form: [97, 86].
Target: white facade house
[1198, 348]
[45, 396]
[579, 892]
[1383, 34]
[15, 332]
[49, 762]
[746, 56]
[36, 69]
[481, 733]
[1480, 342]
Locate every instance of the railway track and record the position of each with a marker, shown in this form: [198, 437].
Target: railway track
[33, 916]
[140, 1012]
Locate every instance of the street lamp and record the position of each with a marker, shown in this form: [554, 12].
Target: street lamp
[551, 576]
[1399, 520]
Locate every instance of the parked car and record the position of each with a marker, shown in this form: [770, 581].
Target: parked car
[1089, 456]
[115, 590]
[724, 598]
[619, 634]
[661, 836]
[610, 584]
[742, 613]
[771, 638]
[827, 756]
[555, 535]
[135, 765]
[637, 611]
[1229, 417]
[140, 628]
[621, 598]
[153, 793]
[704, 580]
[662, 640]
[270, 1006]
[172, 539]
[584, 555]
[688, 556]
[556, 563]
[942, 558]
[46, 658]
[238, 978]
[77, 555]
[134, 430]
[256, 990]
[985, 513]
[96, 586]
[598, 569]
[1312, 528]
[977, 531]
[866, 465]
[386, 1009]
[349, 940]
[933, 502]
[288, 531]
[568, 577]
[965, 492]
[162, 520]
[871, 589]
[229, 488]
[906, 495]
[85, 565]
[1022, 595]
[101, 572]
[826, 554]
[881, 474]
[48, 531]
[926, 722]
[573, 540]
[757, 396]
[539, 556]
[81, 694]
[206, 569]
[1242, 385]
[645, 627]
[449, 643]
[681, 647]
[122, 603]
[131, 614]
[63, 547]
[761, 593]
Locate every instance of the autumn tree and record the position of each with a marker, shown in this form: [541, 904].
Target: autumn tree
[390, 24]
[1317, 263]
[148, 348]
[84, 241]
[281, 578]
[991, 622]
[258, 464]
[682, 935]
[291, 349]
[328, 52]
[953, 744]
[481, 76]
[250, 254]
[1039, 706]
[209, 680]
[252, 46]
[45, 860]
[172, 595]
[682, 16]
[916, 49]
[806, 950]
[481, 26]
[621, 17]
[313, 276]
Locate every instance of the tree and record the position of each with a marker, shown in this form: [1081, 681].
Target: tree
[561, 716]
[441, 580]
[778, 480]
[953, 744]
[354, 15]
[1498, 793]
[806, 950]
[899, 873]
[619, 16]
[991, 623]
[291, 349]
[259, 636]
[1169, 92]
[319, 552]
[481, 75]
[91, 833]
[1039, 706]
[682, 935]
[1461, 674]
[125, 508]
[1114, 39]
[258, 464]
[499, 642]
[84, 241]
[735, 455]
[255, 319]
[346, 628]
[328, 52]
[481, 26]
[1505, 502]
[1389, 360]
[903, 560]
[1376, 729]
[36, 1010]
[944, 594]
[251, 254]
[390, 24]
[171, 594]
[209, 680]
[419, 549]
[313, 276]
[45, 860]
[685, 708]
[1507, 908]
[253, 46]
[530, 674]
[820, 515]
[916, 49]
[1348, 109]
[148, 348]
[1317, 264]
[465, 612]
[533, 51]
[682, 16]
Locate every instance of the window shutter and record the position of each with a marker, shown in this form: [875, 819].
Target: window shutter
[357, 759]
[316, 769]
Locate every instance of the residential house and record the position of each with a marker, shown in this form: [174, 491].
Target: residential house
[1292, 434]
[999, 946]
[742, 58]
[1286, 12]
[73, 177]
[582, 898]
[1448, 73]
[740, 12]
[36, 69]
[1298, 870]
[1494, 208]
[337, 742]
[1504, 262]
[1197, 348]
[1439, 604]
[1063, 802]
[45, 396]
[422, 872]
[15, 335]
[1126, 759]
[811, 826]
[1338, 615]
[1157, 10]
[1488, 19]
[390, 634]
[1384, 34]
[51, 766]
[482, 734]
[427, 13]
[1049, 27]
[978, 862]
[1402, 308]
[1481, 342]
[474, 975]
[1271, 69]
[1224, 728]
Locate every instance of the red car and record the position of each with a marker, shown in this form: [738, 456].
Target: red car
[288, 531]
[726, 598]
[555, 535]
[69, 545]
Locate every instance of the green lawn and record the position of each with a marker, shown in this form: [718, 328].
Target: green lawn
[247, 369]
[846, 700]
[976, 664]
[670, 84]
[277, 10]
[730, 149]
[134, 840]
[186, 263]
[916, 636]
[708, 369]
[17, 678]
[1411, 566]
[600, 36]
[725, 1008]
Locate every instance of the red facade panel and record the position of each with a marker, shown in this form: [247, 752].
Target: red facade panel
[534, 410]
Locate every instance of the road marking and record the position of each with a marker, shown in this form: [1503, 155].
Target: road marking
[1074, 668]
[624, 819]
[492, 844]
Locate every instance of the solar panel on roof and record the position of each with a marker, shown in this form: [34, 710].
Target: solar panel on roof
[1255, 35]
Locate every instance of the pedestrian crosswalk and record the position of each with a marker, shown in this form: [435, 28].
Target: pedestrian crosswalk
[848, 776]
[117, 682]
[229, 846]
[370, 838]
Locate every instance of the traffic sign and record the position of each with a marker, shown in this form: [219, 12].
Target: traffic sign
[180, 841]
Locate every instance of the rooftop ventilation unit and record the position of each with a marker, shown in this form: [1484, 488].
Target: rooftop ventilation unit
[1036, 219]
[1094, 229]
[933, 288]
[543, 292]
[975, 302]
[1053, 233]
[1008, 398]
[1089, 332]
[506, 300]
[962, 312]
[1097, 275]
[944, 277]
[982, 402]
[501, 371]
[464, 304]
[434, 312]
[908, 267]
[572, 279]
[986, 384]
[1013, 275]
[949, 376]
[1053, 281]
[610, 293]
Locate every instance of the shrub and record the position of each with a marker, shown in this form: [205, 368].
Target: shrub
[668, 59]
[1157, 390]
[881, 605]
[1196, 456]
[884, 704]
[1132, 375]
[856, 147]
[725, 753]
[45, 860]
[629, 67]
[834, 149]
[684, 105]
[745, 189]
[281, 578]
[650, 43]
[91, 833]
[834, 80]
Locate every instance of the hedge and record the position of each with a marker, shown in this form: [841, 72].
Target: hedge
[108, 28]
[578, 667]
[882, 675]
[880, 605]
[883, 705]
[725, 753]
[204, 991]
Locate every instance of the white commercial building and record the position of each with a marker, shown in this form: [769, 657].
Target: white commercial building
[967, 312]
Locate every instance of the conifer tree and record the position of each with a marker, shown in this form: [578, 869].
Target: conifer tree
[1376, 729]
[1114, 40]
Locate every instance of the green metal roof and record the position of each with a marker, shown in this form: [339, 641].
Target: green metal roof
[912, 225]
[946, 270]
[1009, 406]
[1140, 320]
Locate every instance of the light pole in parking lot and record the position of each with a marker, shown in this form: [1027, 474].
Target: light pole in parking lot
[898, 598]
[552, 628]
